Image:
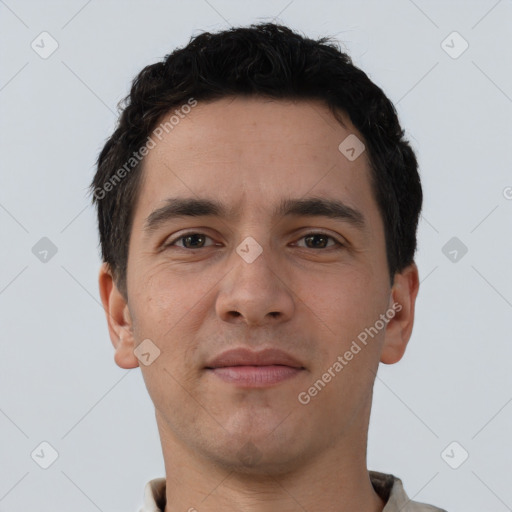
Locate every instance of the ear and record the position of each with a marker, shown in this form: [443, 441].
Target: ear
[118, 319]
[402, 302]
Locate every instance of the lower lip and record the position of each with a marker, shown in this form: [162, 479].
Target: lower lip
[255, 376]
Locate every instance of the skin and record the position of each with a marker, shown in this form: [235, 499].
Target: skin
[310, 302]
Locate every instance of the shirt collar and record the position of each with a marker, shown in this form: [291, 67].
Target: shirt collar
[388, 487]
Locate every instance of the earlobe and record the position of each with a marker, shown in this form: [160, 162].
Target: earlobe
[118, 319]
[399, 329]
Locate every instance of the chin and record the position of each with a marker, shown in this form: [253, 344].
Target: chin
[252, 461]
[259, 455]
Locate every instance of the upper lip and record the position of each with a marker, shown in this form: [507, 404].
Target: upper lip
[246, 357]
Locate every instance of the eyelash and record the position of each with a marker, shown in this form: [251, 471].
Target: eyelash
[184, 235]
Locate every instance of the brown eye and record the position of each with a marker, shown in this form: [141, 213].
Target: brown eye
[189, 241]
[193, 241]
[319, 241]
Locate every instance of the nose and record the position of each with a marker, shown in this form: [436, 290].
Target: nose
[255, 292]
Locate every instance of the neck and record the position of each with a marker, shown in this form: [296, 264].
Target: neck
[336, 480]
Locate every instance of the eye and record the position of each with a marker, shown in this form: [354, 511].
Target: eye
[319, 241]
[195, 240]
[191, 240]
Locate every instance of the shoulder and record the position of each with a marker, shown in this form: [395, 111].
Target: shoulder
[390, 488]
[154, 496]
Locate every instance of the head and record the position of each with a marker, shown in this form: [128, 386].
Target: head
[258, 192]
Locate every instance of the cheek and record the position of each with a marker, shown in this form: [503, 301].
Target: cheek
[159, 291]
[167, 306]
[346, 302]
[345, 312]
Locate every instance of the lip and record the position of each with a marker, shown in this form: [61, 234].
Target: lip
[246, 357]
[247, 368]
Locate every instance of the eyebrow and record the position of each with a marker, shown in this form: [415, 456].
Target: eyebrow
[178, 207]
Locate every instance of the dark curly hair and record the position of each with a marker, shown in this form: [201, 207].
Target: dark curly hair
[266, 60]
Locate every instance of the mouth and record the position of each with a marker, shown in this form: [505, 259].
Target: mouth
[247, 368]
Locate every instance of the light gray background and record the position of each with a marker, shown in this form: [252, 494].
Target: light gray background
[58, 379]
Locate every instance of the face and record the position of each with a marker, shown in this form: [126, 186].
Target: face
[272, 246]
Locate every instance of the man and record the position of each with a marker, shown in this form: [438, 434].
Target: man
[257, 209]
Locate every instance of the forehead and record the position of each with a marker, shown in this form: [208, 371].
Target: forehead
[252, 152]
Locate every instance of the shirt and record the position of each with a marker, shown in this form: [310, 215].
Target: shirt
[388, 487]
